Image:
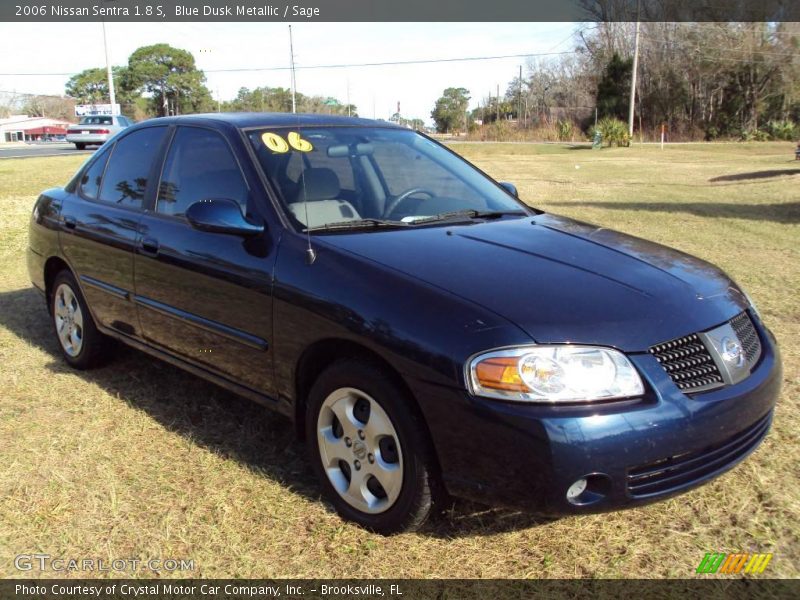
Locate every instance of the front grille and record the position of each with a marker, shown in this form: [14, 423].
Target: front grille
[688, 363]
[748, 336]
[675, 472]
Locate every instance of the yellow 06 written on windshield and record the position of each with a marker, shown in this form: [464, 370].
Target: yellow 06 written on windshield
[280, 145]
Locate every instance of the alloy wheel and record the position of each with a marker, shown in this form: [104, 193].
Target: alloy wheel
[69, 320]
[360, 450]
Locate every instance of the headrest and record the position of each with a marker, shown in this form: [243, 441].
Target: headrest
[320, 184]
[199, 159]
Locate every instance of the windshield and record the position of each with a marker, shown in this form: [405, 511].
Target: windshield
[96, 121]
[340, 177]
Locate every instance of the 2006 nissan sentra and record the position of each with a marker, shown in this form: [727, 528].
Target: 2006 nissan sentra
[427, 332]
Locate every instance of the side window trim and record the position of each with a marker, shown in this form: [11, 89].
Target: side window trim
[153, 209]
[79, 187]
[150, 204]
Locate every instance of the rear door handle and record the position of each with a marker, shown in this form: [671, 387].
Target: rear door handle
[70, 222]
[149, 246]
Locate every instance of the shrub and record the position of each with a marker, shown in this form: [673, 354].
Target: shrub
[614, 132]
[782, 130]
[754, 135]
[566, 130]
[495, 131]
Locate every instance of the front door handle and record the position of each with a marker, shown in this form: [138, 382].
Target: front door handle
[149, 246]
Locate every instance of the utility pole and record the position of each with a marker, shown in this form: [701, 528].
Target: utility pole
[294, 81]
[498, 103]
[519, 99]
[111, 92]
[633, 79]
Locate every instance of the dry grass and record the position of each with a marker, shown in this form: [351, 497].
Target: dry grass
[141, 460]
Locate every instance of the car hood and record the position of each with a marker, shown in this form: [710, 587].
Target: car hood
[561, 280]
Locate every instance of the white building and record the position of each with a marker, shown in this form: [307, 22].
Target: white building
[22, 128]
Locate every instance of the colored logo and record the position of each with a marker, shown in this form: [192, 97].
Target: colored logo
[743, 562]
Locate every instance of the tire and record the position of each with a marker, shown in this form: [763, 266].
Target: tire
[80, 146]
[394, 448]
[81, 344]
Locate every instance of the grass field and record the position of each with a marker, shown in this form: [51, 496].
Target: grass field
[141, 460]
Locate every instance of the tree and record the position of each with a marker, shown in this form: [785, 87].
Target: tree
[54, 107]
[267, 99]
[89, 86]
[450, 110]
[613, 90]
[324, 104]
[170, 76]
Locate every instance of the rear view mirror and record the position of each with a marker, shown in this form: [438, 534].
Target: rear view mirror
[221, 215]
[342, 150]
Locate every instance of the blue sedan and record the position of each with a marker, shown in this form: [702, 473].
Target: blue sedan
[426, 332]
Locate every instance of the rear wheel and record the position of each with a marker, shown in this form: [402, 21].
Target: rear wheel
[371, 454]
[82, 345]
[80, 146]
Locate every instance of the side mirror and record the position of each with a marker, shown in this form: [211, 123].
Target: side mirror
[510, 188]
[221, 215]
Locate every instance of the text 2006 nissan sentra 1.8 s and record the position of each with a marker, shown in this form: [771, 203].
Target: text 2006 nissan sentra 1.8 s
[427, 332]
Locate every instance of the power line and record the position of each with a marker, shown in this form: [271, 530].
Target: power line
[342, 65]
[392, 63]
[16, 93]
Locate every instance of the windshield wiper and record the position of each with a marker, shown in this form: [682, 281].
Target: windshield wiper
[469, 213]
[357, 224]
[370, 223]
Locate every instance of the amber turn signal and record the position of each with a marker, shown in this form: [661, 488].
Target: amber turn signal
[500, 373]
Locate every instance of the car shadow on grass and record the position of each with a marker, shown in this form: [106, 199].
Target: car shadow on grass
[779, 212]
[220, 421]
[755, 175]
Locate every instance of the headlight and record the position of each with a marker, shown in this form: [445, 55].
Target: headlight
[563, 373]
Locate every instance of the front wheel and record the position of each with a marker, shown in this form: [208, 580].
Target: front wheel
[370, 452]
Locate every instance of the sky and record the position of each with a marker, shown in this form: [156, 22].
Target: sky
[70, 48]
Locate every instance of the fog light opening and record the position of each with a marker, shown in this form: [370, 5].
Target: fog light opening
[589, 489]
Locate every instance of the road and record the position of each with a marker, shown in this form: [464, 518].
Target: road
[46, 149]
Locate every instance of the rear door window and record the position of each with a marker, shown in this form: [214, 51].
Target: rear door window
[126, 177]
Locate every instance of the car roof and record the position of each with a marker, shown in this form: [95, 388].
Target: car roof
[246, 120]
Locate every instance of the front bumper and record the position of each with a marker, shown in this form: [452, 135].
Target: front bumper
[634, 452]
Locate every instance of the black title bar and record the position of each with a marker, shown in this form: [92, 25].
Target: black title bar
[399, 10]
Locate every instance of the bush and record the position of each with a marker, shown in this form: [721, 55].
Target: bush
[566, 130]
[712, 133]
[614, 132]
[498, 131]
[783, 130]
[754, 135]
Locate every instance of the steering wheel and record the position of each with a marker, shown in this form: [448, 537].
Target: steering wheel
[395, 202]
